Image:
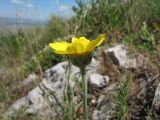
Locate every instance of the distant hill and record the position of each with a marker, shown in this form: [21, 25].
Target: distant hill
[8, 21]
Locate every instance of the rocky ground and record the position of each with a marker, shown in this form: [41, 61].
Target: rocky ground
[105, 77]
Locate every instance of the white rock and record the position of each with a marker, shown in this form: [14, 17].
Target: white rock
[96, 115]
[104, 113]
[32, 77]
[54, 81]
[93, 64]
[19, 104]
[37, 101]
[98, 80]
[156, 100]
[56, 72]
[119, 55]
[100, 100]
[103, 109]
[23, 102]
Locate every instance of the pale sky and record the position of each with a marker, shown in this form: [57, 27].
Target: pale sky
[36, 9]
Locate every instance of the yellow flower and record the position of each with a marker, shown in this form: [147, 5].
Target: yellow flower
[79, 50]
[78, 46]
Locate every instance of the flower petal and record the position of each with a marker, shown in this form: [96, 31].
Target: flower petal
[79, 48]
[74, 40]
[59, 47]
[62, 46]
[80, 44]
[96, 42]
[75, 48]
[84, 41]
[71, 49]
[81, 40]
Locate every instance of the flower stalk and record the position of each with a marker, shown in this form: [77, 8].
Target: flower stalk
[85, 93]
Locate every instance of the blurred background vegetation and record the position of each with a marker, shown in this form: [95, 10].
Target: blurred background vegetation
[132, 22]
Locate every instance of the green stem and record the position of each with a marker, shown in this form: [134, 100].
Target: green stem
[68, 95]
[85, 93]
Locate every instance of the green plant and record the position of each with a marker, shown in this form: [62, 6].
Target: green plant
[144, 40]
[120, 101]
[69, 107]
[147, 40]
[42, 60]
[149, 114]
[101, 16]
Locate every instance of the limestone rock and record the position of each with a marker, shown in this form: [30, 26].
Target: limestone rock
[120, 56]
[32, 77]
[36, 100]
[98, 80]
[156, 100]
[103, 109]
[39, 98]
